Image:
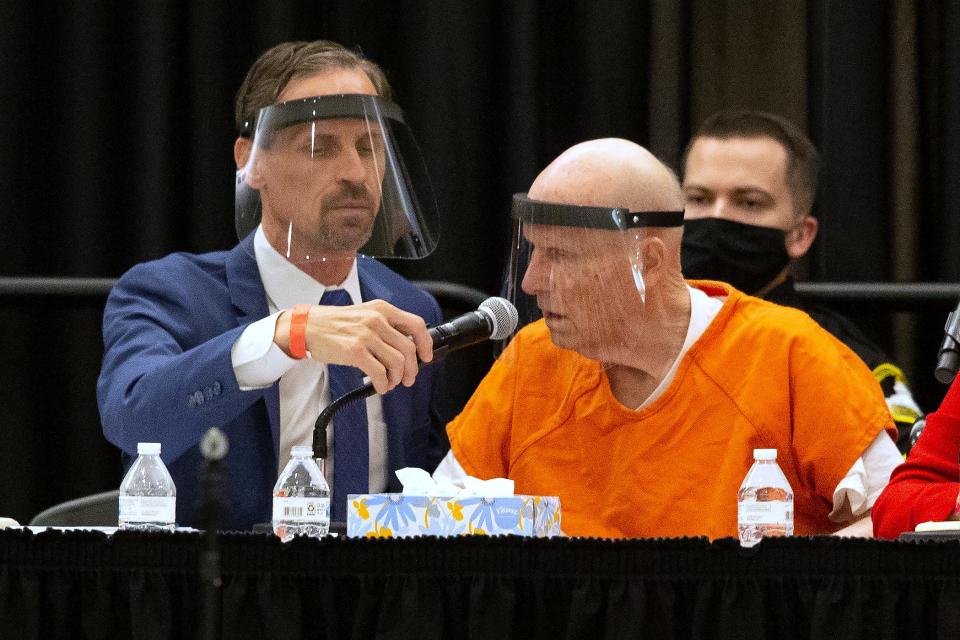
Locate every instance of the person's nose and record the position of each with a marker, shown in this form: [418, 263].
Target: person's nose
[719, 208]
[537, 277]
[351, 168]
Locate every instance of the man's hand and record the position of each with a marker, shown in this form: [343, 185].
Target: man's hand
[382, 341]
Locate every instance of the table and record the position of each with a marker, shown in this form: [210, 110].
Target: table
[146, 585]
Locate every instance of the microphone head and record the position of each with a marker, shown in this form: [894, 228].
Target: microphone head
[214, 445]
[503, 316]
[948, 361]
[916, 430]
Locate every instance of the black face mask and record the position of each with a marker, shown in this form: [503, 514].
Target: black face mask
[747, 256]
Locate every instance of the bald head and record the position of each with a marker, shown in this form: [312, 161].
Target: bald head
[610, 172]
[605, 291]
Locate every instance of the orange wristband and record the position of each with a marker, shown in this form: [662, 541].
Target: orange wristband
[298, 324]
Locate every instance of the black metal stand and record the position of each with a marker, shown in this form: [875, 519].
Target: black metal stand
[212, 499]
[320, 426]
[320, 435]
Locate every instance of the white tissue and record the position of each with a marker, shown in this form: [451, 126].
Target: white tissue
[418, 482]
[415, 481]
[492, 488]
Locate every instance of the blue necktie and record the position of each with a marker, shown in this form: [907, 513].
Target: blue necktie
[351, 446]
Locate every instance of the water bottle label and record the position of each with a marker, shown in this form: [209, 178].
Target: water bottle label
[148, 508]
[763, 512]
[301, 509]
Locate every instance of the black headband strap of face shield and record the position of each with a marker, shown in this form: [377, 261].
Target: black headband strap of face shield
[286, 114]
[571, 215]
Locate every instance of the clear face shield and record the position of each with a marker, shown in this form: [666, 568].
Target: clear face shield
[582, 268]
[331, 176]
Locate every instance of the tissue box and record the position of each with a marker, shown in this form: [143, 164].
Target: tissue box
[397, 515]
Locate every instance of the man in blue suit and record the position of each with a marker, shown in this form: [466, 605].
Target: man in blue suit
[248, 340]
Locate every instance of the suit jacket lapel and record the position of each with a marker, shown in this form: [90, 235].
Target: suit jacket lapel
[370, 287]
[250, 302]
[246, 288]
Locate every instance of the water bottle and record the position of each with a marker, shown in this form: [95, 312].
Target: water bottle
[765, 500]
[301, 498]
[148, 497]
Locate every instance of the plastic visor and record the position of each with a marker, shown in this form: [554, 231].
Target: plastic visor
[335, 174]
[581, 269]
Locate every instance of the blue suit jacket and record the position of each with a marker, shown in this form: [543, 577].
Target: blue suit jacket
[167, 377]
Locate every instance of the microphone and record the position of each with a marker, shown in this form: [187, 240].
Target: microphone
[495, 319]
[916, 430]
[948, 358]
[213, 448]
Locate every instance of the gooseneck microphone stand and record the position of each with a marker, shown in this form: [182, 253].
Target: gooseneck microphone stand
[213, 447]
[320, 426]
[320, 432]
[367, 390]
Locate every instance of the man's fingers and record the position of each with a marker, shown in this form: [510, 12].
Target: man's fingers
[413, 325]
[375, 371]
[407, 351]
[391, 359]
[376, 337]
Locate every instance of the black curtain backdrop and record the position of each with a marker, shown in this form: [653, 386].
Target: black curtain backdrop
[146, 587]
[116, 129]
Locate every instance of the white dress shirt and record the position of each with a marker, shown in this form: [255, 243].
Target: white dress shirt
[854, 495]
[304, 385]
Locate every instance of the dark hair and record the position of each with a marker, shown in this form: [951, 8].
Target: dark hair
[802, 156]
[279, 65]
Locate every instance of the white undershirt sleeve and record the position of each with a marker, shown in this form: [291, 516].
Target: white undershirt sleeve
[449, 471]
[257, 360]
[860, 488]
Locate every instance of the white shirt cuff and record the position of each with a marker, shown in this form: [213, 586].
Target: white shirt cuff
[860, 488]
[257, 360]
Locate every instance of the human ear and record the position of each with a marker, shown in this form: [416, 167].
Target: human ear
[648, 253]
[241, 151]
[241, 155]
[654, 255]
[799, 239]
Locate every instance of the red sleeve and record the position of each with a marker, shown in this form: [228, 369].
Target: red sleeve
[924, 487]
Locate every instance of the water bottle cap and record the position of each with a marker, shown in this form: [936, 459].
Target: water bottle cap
[764, 454]
[148, 448]
[301, 451]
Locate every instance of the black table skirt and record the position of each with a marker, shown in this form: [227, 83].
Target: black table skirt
[138, 585]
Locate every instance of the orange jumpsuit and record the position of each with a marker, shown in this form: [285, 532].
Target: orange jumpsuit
[760, 376]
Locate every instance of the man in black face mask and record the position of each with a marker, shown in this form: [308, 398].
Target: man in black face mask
[749, 181]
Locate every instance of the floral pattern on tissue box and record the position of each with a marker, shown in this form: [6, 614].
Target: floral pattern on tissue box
[396, 515]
